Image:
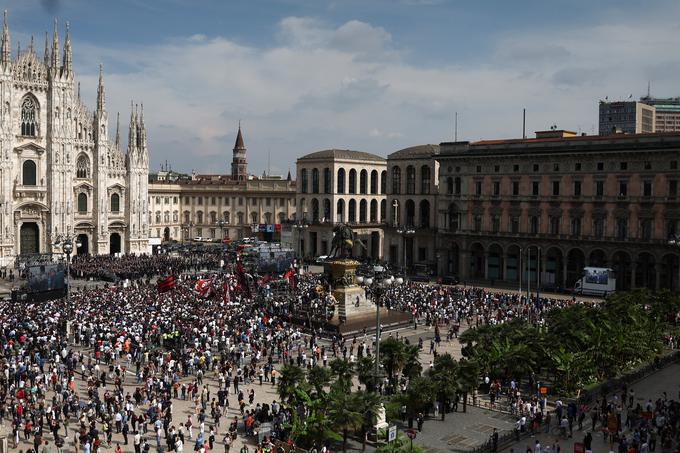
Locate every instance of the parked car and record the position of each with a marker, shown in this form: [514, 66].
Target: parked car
[198, 239]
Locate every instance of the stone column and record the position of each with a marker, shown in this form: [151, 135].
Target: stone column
[564, 272]
[463, 264]
[504, 266]
[486, 265]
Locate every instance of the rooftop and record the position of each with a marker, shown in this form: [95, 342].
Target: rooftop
[423, 151]
[344, 154]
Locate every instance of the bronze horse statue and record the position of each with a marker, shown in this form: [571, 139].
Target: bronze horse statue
[343, 242]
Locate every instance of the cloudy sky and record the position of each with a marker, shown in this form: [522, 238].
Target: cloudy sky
[371, 75]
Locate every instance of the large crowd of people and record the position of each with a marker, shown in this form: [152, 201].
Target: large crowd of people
[118, 359]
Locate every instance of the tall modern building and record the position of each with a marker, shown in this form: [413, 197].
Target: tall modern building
[667, 111]
[627, 117]
[60, 170]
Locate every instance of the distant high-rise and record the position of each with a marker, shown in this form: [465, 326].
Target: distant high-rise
[628, 117]
[667, 113]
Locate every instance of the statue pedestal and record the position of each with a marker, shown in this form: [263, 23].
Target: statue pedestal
[380, 419]
[354, 313]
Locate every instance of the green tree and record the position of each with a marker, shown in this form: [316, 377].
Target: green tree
[343, 413]
[392, 356]
[343, 371]
[365, 369]
[443, 376]
[367, 404]
[292, 379]
[319, 378]
[467, 377]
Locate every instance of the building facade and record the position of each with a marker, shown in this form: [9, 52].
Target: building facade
[556, 204]
[235, 205]
[60, 173]
[628, 117]
[341, 186]
[667, 113]
[412, 189]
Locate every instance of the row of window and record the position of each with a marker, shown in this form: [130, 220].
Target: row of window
[366, 186]
[368, 212]
[226, 217]
[453, 187]
[214, 201]
[82, 203]
[577, 167]
[425, 180]
[556, 227]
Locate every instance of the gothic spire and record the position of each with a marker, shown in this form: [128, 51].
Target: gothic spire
[239, 139]
[4, 51]
[46, 58]
[132, 131]
[54, 63]
[118, 130]
[30, 46]
[100, 89]
[68, 57]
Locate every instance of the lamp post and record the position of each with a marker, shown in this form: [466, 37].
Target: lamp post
[222, 223]
[66, 242]
[300, 227]
[404, 232]
[378, 287]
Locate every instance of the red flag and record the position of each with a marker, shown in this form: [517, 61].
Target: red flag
[166, 284]
[203, 286]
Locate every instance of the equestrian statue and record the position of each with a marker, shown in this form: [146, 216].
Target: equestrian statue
[343, 242]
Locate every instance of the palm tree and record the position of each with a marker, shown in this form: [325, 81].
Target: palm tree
[319, 377]
[292, 379]
[412, 366]
[392, 356]
[443, 375]
[343, 413]
[467, 377]
[343, 371]
[368, 405]
[366, 372]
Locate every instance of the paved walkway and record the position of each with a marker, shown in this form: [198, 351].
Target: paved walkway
[652, 387]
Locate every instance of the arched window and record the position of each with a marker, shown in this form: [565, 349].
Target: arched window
[327, 187]
[424, 214]
[187, 217]
[315, 180]
[425, 180]
[363, 182]
[303, 178]
[456, 188]
[410, 180]
[29, 177]
[83, 167]
[352, 214]
[340, 212]
[374, 211]
[352, 181]
[410, 213]
[158, 216]
[374, 182]
[383, 182]
[253, 217]
[166, 217]
[449, 186]
[225, 216]
[213, 217]
[240, 218]
[199, 217]
[383, 210]
[362, 211]
[29, 117]
[115, 202]
[315, 210]
[341, 180]
[396, 180]
[326, 210]
[82, 203]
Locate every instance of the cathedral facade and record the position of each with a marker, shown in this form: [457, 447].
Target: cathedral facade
[60, 173]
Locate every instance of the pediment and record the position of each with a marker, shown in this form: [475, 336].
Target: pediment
[30, 146]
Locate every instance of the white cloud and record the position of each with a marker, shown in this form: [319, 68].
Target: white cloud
[348, 86]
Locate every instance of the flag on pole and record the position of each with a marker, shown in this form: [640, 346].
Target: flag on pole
[166, 284]
[203, 287]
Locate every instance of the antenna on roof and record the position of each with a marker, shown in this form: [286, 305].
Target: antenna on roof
[649, 88]
[524, 124]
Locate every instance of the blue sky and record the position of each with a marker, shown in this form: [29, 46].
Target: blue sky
[373, 75]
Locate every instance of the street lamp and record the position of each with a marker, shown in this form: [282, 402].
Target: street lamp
[66, 243]
[404, 232]
[222, 223]
[300, 226]
[379, 286]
